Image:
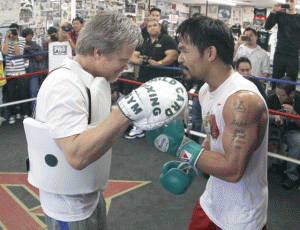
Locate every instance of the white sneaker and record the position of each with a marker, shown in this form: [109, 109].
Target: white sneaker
[2, 119]
[19, 116]
[134, 133]
[25, 116]
[12, 120]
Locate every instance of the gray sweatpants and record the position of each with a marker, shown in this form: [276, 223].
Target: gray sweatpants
[97, 221]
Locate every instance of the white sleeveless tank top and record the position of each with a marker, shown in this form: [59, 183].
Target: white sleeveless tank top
[241, 205]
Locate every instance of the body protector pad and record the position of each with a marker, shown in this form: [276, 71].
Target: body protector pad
[49, 169]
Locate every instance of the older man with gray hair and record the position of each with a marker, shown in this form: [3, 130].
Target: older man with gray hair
[70, 139]
[81, 127]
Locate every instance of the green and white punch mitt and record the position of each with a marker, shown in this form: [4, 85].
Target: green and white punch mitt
[155, 103]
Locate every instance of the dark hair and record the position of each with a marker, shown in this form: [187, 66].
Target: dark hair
[80, 19]
[51, 30]
[26, 32]
[204, 32]
[196, 15]
[287, 87]
[250, 29]
[155, 9]
[14, 25]
[242, 59]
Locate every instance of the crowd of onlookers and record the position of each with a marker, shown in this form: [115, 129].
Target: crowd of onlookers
[161, 50]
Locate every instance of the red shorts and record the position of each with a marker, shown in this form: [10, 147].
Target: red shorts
[200, 220]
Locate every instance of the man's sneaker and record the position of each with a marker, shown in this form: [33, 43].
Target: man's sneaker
[2, 119]
[25, 116]
[288, 183]
[134, 133]
[19, 116]
[12, 120]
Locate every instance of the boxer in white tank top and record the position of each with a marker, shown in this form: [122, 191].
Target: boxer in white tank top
[235, 118]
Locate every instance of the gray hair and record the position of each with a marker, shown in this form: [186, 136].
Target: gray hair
[108, 32]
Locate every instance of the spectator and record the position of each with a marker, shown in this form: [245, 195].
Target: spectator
[155, 14]
[286, 57]
[35, 63]
[287, 99]
[77, 25]
[2, 83]
[157, 50]
[13, 46]
[51, 36]
[248, 48]
[243, 67]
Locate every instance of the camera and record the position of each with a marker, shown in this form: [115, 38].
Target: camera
[146, 60]
[53, 38]
[286, 6]
[67, 28]
[246, 38]
[14, 32]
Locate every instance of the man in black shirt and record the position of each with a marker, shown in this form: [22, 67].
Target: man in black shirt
[287, 99]
[157, 50]
[286, 58]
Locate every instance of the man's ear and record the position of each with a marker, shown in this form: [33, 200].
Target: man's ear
[97, 53]
[211, 53]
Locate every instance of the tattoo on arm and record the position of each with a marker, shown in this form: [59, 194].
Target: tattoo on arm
[239, 135]
[238, 138]
[240, 108]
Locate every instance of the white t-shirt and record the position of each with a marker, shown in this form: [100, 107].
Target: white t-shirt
[241, 205]
[63, 103]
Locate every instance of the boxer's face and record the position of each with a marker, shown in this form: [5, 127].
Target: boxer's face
[193, 62]
[110, 66]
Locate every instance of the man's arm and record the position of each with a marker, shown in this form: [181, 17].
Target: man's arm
[5, 44]
[246, 118]
[271, 20]
[205, 144]
[290, 109]
[83, 149]
[171, 56]
[236, 47]
[136, 58]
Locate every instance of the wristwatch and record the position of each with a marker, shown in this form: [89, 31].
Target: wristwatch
[159, 62]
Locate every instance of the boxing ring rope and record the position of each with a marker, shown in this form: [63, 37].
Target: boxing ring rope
[192, 132]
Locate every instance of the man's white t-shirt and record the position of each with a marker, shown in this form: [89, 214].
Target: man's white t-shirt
[63, 103]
